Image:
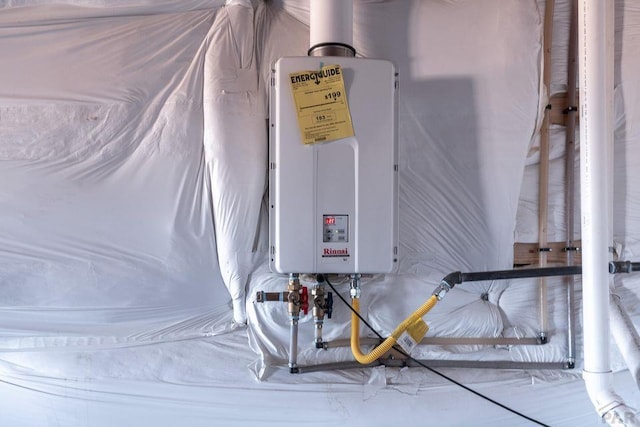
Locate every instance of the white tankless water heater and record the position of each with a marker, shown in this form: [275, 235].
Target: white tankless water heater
[333, 199]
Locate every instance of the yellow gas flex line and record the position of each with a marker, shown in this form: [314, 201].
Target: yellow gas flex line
[414, 319]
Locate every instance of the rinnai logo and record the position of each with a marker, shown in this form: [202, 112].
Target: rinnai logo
[330, 252]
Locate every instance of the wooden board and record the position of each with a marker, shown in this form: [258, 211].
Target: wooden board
[559, 108]
[528, 253]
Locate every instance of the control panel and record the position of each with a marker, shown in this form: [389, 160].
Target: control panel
[335, 228]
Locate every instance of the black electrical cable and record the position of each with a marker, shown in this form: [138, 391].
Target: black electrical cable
[404, 353]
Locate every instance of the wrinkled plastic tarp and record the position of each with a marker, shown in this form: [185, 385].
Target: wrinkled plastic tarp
[107, 232]
[133, 169]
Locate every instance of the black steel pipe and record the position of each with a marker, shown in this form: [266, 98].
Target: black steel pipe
[457, 277]
[521, 273]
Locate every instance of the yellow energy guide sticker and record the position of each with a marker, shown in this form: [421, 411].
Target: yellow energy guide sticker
[321, 104]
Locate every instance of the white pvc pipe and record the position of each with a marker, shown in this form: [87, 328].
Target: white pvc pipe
[595, 137]
[595, 70]
[626, 337]
[331, 21]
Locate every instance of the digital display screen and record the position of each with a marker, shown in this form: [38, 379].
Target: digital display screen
[329, 220]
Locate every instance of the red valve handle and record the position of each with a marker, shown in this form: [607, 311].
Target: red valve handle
[304, 300]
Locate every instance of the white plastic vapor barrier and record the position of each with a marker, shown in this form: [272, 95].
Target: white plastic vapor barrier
[134, 216]
[107, 232]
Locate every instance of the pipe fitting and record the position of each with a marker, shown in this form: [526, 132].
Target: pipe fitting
[623, 267]
[354, 293]
[293, 300]
[600, 389]
[332, 49]
[608, 404]
[620, 267]
[442, 290]
[447, 283]
[354, 285]
[319, 304]
[293, 297]
[542, 338]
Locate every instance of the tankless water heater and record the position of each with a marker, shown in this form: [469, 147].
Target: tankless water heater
[333, 179]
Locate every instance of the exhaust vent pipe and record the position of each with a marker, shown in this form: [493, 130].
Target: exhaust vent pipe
[331, 28]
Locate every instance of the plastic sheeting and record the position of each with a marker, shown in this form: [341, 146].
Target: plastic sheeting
[132, 173]
[234, 141]
[107, 234]
[180, 383]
